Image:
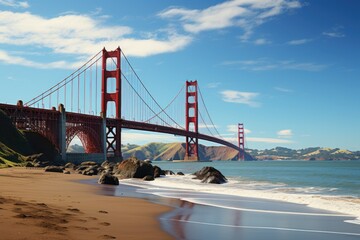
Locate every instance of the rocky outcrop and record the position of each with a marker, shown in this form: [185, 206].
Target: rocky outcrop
[158, 172]
[108, 179]
[58, 169]
[210, 175]
[134, 168]
[149, 178]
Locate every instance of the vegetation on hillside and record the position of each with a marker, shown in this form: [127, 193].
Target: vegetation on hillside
[16, 147]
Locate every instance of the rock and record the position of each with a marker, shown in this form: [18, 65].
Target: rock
[148, 178]
[158, 172]
[89, 163]
[210, 175]
[91, 170]
[169, 172]
[134, 168]
[66, 172]
[180, 173]
[108, 179]
[54, 169]
[70, 165]
[29, 164]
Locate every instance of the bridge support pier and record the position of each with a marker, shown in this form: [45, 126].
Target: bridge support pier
[191, 121]
[113, 131]
[62, 132]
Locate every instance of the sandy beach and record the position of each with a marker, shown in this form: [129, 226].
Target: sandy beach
[39, 205]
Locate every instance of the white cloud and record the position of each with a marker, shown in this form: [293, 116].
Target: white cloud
[234, 129]
[79, 35]
[246, 14]
[260, 140]
[299, 41]
[261, 41]
[141, 137]
[280, 89]
[286, 133]
[241, 97]
[213, 85]
[335, 32]
[9, 59]
[201, 125]
[263, 64]
[14, 3]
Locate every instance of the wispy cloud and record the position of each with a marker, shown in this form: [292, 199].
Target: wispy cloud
[245, 14]
[79, 35]
[234, 129]
[267, 64]
[335, 32]
[299, 41]
[213, 85]
[280, 89]
[286, 133]
[261, 140]
[247, 98]
[261, 41]
[15, 3]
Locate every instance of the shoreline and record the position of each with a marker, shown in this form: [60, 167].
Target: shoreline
[39, 205]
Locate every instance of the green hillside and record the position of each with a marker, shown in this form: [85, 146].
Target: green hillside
[16, 146]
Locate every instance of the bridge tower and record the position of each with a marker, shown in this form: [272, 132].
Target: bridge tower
[113, 130]
[241, 142]
[191, 121]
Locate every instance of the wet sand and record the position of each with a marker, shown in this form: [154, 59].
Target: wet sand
[39, 205]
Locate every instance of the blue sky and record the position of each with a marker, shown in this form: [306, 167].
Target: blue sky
[287, 69]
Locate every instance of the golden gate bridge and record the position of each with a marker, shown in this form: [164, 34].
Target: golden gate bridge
[106, 95]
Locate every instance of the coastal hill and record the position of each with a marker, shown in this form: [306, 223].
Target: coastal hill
[16, 147]
[313, 153]
[175, 151]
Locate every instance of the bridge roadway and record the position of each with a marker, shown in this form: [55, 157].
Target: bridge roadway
[37, 115]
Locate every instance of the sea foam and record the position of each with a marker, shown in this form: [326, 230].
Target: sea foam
[173, 186]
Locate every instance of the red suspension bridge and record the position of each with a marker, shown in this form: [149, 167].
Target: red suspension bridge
[106, 95]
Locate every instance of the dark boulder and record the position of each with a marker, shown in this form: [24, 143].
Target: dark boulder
[89, 163]
[134, 168]
[158, 172]
[210, 175]
[54, 169]
[90, 170]
[148, 178]
[169, 172]
[180, 173]
[70, 165]
[108, 179]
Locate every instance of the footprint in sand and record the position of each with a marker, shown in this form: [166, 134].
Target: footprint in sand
[105, 224]
[73, 210]
[107, 237]
[92, 218]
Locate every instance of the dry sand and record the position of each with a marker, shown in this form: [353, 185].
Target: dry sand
[39, 205]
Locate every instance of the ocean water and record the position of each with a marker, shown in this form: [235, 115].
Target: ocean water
[327, 185]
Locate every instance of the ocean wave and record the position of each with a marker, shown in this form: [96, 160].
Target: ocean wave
[176, 186]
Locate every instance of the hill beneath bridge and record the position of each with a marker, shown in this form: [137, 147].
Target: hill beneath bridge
[16, 147]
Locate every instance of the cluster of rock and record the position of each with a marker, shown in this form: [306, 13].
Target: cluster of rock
[111, 172]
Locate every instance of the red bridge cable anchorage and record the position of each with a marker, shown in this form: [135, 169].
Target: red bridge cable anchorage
[148, 91]
[65, 81]
[202, 99]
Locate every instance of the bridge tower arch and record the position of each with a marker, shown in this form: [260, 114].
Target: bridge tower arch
[113, 128]
[191, 121]
[241, 142]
